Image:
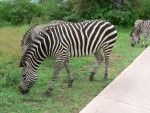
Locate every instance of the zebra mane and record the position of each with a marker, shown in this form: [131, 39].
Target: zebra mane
[23, 57]
[22, 61]
[27, 33]
[21, 64]
[137, 23]
[131, 32]
[26, 37]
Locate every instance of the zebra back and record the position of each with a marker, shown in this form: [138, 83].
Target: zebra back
[57, 22]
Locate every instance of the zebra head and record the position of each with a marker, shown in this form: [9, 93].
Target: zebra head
[135, 34]
[28, 77]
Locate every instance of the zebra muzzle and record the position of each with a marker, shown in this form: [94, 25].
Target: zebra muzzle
[23, 91]
[132, 45]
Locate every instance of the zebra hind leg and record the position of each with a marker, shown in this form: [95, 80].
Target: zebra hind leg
[146, 42]
[55, 74]
[71, 79]
[99, 59]
[106, 68]
[107, 52]
[143, 43]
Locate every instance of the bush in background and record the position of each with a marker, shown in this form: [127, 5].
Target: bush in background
[19, 12]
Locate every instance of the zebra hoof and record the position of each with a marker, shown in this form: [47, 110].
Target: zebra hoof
[47, 94]
[70, 83]
[91, 78]
[146, 46]
[24, 91]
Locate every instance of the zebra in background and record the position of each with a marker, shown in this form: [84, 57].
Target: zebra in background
[27, 38]
[143, 27]
[63, 41]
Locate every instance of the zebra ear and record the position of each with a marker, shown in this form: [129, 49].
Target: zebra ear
[131, 35]
[21, 64]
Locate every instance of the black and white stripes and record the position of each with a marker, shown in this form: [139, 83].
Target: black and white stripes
[142, 27]
[68, 40]
[33, 31]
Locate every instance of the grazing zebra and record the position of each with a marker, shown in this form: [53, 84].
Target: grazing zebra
[63, 41]
[143, 27]
[27, 38]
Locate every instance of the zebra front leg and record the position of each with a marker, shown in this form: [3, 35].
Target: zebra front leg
[138, 38]
[55, 74]
[71, 78]
[99, 60]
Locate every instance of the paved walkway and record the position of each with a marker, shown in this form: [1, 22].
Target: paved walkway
[128, 93]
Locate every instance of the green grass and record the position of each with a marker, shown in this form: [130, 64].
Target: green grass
[63, 99]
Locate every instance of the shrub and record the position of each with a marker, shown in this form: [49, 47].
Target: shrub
[144, 10]
[119, 17]
[19, 11]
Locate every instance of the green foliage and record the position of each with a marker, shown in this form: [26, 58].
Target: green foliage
[4, 23]
[19, 11]
[24, 11]
[72, 18]
[103, 10]
[144, 9]
[120, 18]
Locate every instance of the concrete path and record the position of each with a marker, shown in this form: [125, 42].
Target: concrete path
[128, 93]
